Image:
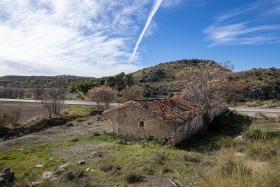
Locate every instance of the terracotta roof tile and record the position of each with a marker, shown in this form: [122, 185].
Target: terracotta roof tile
[166, 109]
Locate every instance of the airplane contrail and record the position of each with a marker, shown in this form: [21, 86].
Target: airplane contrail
[155, 7]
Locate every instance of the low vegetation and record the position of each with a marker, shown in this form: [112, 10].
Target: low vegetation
[9, 117]
[211, 159]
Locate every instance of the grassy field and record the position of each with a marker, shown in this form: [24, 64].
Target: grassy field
[205, 160]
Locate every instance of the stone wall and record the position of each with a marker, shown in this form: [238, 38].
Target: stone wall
[136, 124]
[188, 129]
[195, 124]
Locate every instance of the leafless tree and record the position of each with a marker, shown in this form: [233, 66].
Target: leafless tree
[102, 95]
[206, 87]
[132, 92]
[38, 91]
[53, 101]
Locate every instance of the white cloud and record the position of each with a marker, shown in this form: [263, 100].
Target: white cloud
[85, 37]
[249, 25]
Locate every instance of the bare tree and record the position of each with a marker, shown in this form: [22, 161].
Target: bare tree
[38, 91]
[206, 87]
[132, 92]
[53, 101]
[102, 95]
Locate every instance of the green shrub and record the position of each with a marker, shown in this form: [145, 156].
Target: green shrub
[80, 120]
[170, 94]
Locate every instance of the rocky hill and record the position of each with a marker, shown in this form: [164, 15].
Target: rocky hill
[261, 83]
[161, 79]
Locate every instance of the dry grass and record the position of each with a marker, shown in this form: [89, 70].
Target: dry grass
[28, 111]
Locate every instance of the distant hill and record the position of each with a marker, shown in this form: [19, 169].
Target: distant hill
[161, 79]
[33, 81]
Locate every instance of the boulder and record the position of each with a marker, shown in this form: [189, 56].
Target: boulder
[47, 175]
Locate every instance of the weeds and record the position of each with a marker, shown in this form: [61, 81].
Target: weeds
[193, 157]
[262, 151]
[132, 177]
[106, 167]
[9, 117]
[80, 120]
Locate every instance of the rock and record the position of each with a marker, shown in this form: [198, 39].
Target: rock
[61, 168]
[90, 123]
[36, 183]
[82, 162]
[6, 177]
[53, 179]
[87, 169]
[1, 140]
[39, 165]
[239, 139]
[91, 170]
[47, 175]
[64, 166]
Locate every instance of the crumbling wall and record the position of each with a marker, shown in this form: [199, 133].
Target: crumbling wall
[136, 124]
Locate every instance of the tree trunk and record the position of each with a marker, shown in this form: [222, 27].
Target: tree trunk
[206, 121]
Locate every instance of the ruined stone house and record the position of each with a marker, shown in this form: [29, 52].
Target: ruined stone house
[166, 120]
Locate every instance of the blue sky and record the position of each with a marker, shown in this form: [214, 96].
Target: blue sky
[105, 37]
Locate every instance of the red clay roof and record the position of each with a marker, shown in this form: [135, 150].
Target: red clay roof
[166, 109]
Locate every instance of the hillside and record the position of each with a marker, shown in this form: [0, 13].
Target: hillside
[157, 80]
[160, 79]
